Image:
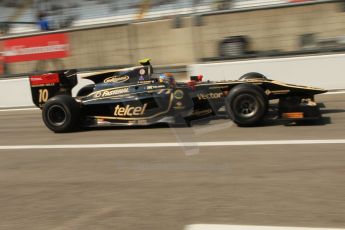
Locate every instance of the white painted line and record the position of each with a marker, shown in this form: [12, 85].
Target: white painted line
[173, 144]
[243, 227]
[19, 109]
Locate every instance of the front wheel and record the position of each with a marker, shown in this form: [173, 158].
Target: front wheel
[253, 76]
[61, 114]
[246, 104]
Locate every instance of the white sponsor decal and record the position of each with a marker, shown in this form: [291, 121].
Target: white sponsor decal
[149, 87]
[21, 50]
[113, 92]
[142, 72]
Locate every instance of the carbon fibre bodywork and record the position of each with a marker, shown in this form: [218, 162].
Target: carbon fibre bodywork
[134, 97]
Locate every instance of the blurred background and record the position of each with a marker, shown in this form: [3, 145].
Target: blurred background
[299, 42]
[45, 35]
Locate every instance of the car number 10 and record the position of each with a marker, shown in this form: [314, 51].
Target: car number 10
[43, 95]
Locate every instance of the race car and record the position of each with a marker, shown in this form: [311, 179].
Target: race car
[137, 96]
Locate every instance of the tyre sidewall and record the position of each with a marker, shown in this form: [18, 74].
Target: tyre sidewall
[253, 75]
[260, 98]
[71, 109]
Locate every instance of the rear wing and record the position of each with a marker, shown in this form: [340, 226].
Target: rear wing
[49, 85]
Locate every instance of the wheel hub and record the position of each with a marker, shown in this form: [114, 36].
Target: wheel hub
[246, 105]
[57, 115]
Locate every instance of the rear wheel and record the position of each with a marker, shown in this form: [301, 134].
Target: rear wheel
[61, 114]
[246, 104]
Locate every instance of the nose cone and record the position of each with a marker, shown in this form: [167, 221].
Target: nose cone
[319, 91]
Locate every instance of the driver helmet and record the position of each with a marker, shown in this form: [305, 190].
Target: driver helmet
[167, 78]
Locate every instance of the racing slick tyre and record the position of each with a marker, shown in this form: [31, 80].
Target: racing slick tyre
[86, 90]
[61, 114]
[246, 104]
[253, 75]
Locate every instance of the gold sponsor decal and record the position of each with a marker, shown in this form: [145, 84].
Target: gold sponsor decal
[38, 86]
[178, 94]
[207, 96]
[219, 87]
[269, 92]
[129, 111]
[109, 93]
[140, 118]
[164, 91]
[284, 91]
[179, 105]
[142, 122]
[43, 95]
[202, 112]
[116, 79]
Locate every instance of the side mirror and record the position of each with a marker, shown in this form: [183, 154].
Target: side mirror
[196, 78]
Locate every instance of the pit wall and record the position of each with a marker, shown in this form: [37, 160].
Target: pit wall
[123, 45]
[268, 29]
[324, 71]
[273, 29]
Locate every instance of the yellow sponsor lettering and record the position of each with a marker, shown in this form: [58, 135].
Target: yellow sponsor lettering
[208, 96]
[43, 95]
[116, 79]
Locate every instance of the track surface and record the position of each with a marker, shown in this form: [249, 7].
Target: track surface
[168, 188]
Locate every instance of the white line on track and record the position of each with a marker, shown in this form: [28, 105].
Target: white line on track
[243, 227]
[19, 109]
[173, 144]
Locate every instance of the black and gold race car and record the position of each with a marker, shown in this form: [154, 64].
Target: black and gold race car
[135, 96]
